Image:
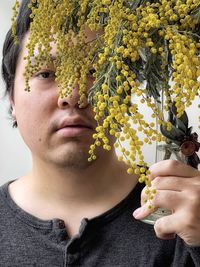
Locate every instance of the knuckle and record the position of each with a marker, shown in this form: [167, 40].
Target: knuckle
[171, 164]
[143, 196]
[194, 198]
[143, 193]
[189, 221]
[158, 227]
[156, 181]
[191, 214]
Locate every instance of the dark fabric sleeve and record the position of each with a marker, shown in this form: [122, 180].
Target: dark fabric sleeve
[195, 254]
[185, 255]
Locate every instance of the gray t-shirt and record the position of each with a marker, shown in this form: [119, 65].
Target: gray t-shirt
[112, 239]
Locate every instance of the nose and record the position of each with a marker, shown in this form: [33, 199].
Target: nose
[73, 100]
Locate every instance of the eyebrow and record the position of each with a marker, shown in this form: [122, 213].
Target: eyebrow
[52, 58]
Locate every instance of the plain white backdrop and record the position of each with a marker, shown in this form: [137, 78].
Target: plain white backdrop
[14, 156]
[15, 159]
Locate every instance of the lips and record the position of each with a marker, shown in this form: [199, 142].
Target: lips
[74, 123]
[74, 127]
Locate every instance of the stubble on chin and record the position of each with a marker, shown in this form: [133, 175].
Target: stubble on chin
[74, 157]
[78, 161]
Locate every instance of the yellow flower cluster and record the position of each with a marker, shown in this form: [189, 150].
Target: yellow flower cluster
[15, 13]
[139, 47]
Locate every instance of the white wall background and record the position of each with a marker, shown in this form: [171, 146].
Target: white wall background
[15, 158]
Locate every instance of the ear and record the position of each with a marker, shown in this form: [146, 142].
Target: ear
[13, 107]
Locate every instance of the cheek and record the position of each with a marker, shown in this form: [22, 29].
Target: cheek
[35, 104]
[33, 113]
[90, 83]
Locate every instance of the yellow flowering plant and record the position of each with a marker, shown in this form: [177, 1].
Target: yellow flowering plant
[140, 47]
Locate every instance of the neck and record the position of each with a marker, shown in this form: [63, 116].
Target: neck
[63, 185]
[50, 192]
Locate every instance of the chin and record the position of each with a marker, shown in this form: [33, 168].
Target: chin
[71, 157]
[74, 162]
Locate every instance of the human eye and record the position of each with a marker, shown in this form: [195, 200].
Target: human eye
[45, 74]
[91, 73]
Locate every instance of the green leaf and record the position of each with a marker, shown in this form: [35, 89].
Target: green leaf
[189, 131]
[183, 118]
[174, 135]
[195, 13]
[142, 53]
[181, 125]
[135, 4]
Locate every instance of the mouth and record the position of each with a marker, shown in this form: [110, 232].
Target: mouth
[74, 130]
[77, 126]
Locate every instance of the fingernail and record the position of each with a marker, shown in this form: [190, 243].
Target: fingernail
[136, 213]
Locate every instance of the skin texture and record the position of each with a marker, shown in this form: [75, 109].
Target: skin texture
[62, 182]
[178, 189]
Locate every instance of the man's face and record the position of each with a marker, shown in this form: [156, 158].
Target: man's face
[56, 130]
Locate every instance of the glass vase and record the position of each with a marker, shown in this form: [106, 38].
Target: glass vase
[164, 151]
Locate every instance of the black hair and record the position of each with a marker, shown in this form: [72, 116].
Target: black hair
[11, 50]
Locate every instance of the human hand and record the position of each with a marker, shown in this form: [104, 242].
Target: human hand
[177, 189]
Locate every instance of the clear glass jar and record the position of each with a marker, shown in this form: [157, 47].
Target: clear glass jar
[164, 151]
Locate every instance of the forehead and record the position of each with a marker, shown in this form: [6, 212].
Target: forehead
[89, 37]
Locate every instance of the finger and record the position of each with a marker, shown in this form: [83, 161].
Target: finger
[172, 168]
[171, 183]
[146, 193]
[174, 183]
[167, 236]
[166, 199]
[165, 227]
[142, 212]
[164, 183]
